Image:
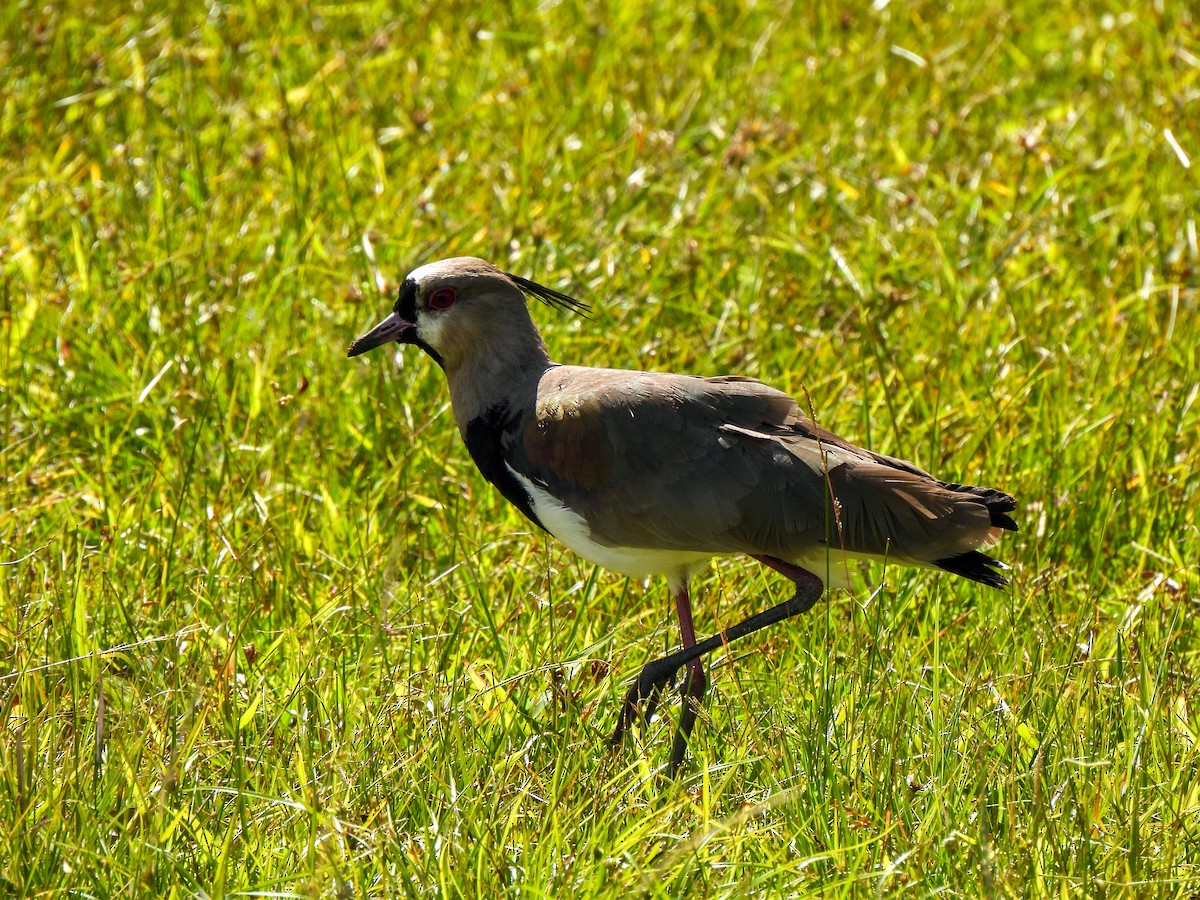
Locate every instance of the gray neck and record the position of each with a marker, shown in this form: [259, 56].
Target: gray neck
[507, 376]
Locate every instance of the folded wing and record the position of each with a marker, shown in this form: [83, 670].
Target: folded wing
[727, 465]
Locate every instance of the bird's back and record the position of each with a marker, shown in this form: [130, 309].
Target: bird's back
[730, 465]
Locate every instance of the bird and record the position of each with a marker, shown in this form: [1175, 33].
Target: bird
[656, 473]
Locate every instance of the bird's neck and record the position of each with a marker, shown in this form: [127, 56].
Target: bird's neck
[496, 380]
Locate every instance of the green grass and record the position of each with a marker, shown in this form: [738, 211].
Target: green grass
[267, 630]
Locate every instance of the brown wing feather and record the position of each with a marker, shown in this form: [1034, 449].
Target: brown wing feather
[727, 465]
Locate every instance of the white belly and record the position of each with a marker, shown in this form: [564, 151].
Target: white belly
[570, 528]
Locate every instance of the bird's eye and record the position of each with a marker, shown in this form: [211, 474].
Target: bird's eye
[442, 298]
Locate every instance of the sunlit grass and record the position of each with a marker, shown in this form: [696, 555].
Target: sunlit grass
[270, 632]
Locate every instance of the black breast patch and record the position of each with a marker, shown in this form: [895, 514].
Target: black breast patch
[486, 438]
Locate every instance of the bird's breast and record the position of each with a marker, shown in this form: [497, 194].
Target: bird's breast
[572, 529]
[485, 437]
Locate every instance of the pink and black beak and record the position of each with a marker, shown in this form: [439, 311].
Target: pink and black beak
[393, 328]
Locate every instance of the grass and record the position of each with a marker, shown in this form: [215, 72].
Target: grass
[269, 633]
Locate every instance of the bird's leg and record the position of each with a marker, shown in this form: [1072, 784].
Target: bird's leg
[805, 581]
[694, 682]
[660, 672]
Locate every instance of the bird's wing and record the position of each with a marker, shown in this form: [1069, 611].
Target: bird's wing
[730, 464]
[673, 462]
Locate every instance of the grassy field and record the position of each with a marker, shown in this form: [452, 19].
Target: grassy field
[267, 632]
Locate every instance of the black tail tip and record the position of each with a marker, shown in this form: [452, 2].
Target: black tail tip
[976, 566]
[997, 503]
[1000, 520]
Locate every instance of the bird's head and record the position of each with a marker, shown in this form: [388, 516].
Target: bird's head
[459, 309]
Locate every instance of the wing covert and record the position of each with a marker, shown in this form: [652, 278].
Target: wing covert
[678, 462]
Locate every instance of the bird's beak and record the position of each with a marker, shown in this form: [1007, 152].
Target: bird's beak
[393, 328]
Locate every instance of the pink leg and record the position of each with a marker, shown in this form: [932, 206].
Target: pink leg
[695, 683]
[802, 578]
[661, 672]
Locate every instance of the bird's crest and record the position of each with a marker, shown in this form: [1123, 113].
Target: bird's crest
[551, 297]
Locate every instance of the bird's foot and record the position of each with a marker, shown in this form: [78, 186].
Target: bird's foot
[641, 700]
[643, 696]
[695, 683]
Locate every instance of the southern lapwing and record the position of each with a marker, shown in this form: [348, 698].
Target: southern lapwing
[652, 473]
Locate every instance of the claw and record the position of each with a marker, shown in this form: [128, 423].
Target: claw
[692, 694]
[647, 687]
[660, 673]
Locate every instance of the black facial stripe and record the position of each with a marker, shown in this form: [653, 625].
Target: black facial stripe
[406, 303]
[406, 309]
[433, 354]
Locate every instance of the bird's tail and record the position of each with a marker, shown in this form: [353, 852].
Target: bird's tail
[997, 503]
[974, 564]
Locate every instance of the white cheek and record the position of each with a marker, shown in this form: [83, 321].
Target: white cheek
[431, 328]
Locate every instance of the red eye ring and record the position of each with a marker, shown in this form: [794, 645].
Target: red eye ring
[442, 298]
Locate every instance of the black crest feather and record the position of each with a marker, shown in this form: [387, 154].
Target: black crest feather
[550, 297]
